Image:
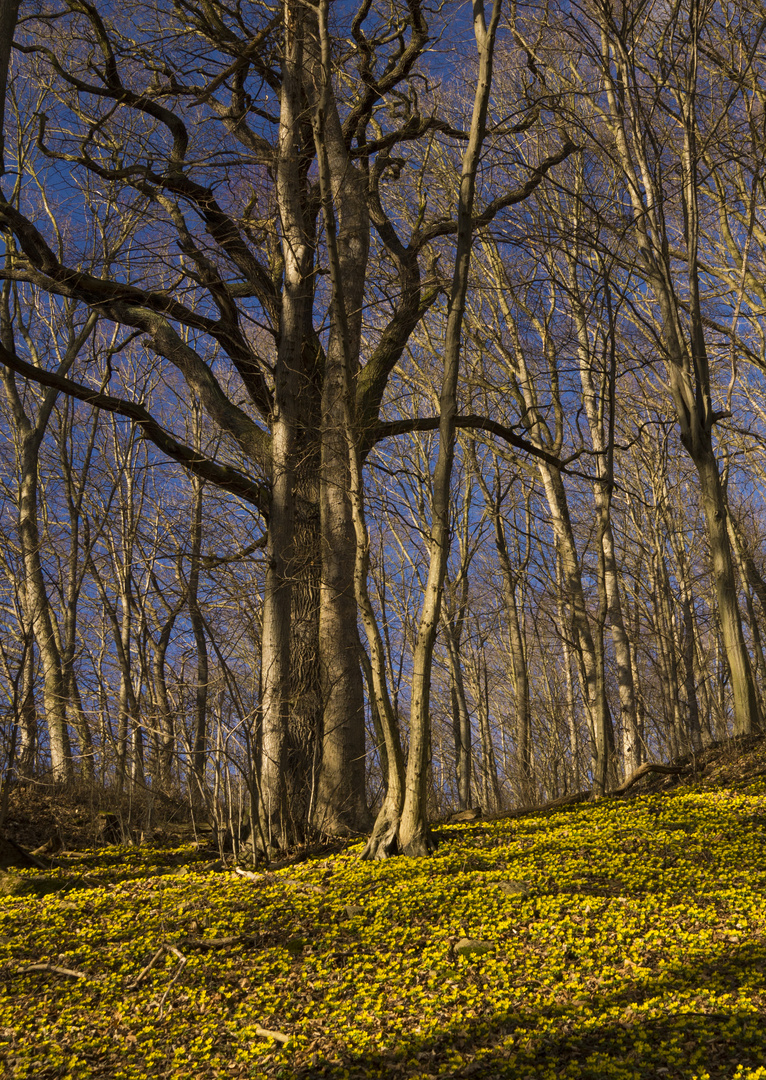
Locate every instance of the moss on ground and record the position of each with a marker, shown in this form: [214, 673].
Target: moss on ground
[626, 940]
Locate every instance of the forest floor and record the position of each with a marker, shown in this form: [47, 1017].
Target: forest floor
[618, 940]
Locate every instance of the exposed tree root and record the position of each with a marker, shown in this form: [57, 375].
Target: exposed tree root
[421, 844]
[383, 842]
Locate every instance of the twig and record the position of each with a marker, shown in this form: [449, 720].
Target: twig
[182, 960]
[218, 942]
[370, 888]
[54, 967]
[142, 975]
[264, 1033]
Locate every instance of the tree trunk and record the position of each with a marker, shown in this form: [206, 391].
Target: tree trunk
[347, 226]
[525, 778]
[199, 733]
[9, 13]
[303, 745]
[461, 720]
[414, 834]
[41, 616]
[599, 400]
[26, 752]
[746, 709]
[341, 805]
[490, 794]
[165, 736]
[295, 325]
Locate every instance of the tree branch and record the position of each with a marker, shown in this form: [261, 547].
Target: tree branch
[474, 423]
[223, 476]
[502, 202]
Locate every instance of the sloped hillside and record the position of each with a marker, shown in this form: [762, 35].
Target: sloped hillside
[617, 941]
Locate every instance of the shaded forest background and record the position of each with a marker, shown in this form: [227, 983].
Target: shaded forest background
[205, 337]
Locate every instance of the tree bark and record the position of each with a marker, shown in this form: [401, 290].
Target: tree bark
[341, 803]
[414, 834]
[199, 733]
[295, 322]
[9, 13]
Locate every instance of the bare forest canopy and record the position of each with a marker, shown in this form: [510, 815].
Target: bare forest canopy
[382, 414]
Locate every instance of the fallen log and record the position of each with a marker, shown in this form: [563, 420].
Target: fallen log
[644, 770]
[12, 855]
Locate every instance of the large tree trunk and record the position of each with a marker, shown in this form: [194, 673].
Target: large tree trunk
[9, 13]
[341, 804]
[295, 325]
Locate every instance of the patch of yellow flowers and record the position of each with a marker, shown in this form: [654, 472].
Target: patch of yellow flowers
[617, 941]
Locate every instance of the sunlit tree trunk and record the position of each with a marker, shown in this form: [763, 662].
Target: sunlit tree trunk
[295, 322]
[414, 833]
[599, 391]
[39, 613]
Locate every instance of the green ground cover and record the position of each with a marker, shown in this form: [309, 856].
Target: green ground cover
[618, 941]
